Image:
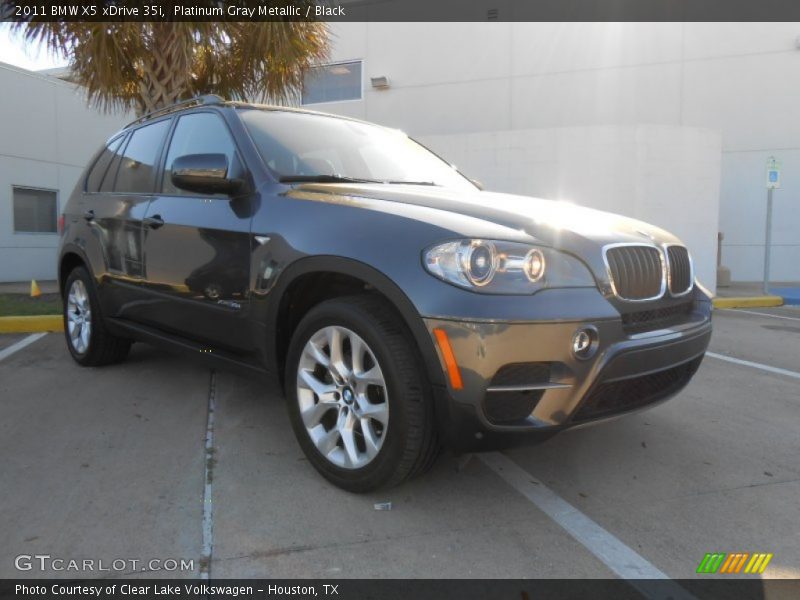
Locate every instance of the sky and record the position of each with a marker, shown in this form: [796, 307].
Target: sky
[14, 51]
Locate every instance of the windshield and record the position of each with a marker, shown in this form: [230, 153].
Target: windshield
[302, 147]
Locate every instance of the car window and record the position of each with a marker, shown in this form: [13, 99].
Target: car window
[107, 184]
[136, 168]
[303, 144]
[98, 171]
[199, 133]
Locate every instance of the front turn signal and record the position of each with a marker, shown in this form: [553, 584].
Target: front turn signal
[453, 372]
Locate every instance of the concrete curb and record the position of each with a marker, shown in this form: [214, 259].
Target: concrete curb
[748, 302]
[31, 324]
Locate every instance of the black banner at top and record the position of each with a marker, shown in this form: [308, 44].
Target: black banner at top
[401, 10]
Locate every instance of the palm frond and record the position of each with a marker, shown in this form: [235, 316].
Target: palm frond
[145, 66]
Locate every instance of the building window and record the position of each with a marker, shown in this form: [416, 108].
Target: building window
[35, 211]
[333, 83]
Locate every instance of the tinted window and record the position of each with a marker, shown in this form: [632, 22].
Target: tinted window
[137, 168]
[332, 83]
[107, 185]
[35, 211]
[100, 167]
[200, 133]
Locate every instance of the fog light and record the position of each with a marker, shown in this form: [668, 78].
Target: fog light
[584, 342]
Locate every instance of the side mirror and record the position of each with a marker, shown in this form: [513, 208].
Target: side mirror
[204, 173]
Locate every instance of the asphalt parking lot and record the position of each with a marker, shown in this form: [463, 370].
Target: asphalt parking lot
[119, 462]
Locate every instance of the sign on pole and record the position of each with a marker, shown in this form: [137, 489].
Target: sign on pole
[773, 183]
[773, 173]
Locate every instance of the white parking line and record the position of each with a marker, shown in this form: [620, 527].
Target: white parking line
[208, 508]
[612, 552]
[24, 342]
[755, 365]
[760, 314]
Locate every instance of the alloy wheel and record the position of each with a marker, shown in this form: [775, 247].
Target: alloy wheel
[342, 396]
[79, 317]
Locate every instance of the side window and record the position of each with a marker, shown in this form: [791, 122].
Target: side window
[107, 184]
[136, 169]
[98, 171]
[199, 133]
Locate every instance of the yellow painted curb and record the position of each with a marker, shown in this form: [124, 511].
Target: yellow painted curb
[31, 324]
[748, 302]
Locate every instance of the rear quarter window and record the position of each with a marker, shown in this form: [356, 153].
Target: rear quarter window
[95, 177]
[137, 163]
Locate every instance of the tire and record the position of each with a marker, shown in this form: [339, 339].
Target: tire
[95, 347]
[403, 430]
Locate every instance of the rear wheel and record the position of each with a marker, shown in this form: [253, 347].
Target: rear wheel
[88, 340]
[358, 399]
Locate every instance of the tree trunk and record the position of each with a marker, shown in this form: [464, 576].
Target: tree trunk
[165, 72]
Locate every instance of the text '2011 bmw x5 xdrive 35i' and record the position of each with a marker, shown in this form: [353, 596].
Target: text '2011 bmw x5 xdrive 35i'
[400, 307]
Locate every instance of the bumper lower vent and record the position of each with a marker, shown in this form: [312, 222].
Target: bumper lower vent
[657, 318]
[636, 271]
[507, 401]
[607, 399]
[506, 408]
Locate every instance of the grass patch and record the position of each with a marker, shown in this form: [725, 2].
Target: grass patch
[15, 305]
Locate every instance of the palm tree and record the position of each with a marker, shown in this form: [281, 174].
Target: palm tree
[147, 66]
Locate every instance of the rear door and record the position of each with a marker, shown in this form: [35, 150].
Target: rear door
[197, 246]
[119, 187]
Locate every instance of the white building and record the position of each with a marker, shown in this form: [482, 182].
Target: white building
[669, 122]
[47, 136]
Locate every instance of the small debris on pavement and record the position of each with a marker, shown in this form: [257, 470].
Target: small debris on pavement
[383, 506]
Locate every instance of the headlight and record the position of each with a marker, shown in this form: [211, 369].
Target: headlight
[496, 267]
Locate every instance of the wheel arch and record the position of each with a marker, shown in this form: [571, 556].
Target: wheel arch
[69, 259]
[348, 276]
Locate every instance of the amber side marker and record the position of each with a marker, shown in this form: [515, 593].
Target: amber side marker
[449, 358]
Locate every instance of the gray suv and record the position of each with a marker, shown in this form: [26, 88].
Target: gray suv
[400, 307]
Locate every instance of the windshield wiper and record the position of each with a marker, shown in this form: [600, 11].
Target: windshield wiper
[324, 179]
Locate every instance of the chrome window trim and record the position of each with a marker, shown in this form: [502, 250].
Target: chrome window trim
[662, 256]
[527, 388]
[669, 270]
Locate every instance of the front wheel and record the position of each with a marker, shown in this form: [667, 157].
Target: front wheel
[359, 402]
[88, 341]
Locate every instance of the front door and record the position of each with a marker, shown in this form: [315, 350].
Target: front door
[197, 247]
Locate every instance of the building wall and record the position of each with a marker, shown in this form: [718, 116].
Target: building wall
[47, 136]
[741, 80]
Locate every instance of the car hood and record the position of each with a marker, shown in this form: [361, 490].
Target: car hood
[582, 232]
[554, 223]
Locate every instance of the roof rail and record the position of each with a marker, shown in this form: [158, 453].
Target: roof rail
[207, 99]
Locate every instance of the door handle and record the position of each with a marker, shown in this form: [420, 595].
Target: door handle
[154, 222]
[88, 215]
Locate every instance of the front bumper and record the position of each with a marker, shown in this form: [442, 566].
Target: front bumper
[627, 372]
